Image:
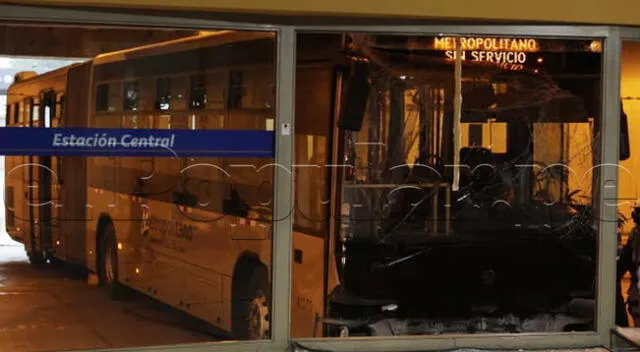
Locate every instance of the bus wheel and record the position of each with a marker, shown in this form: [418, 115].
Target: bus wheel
[109, 262]
[253, 311]
[36, 258]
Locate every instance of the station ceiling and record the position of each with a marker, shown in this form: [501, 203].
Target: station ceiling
[76, 42]
[45, 48]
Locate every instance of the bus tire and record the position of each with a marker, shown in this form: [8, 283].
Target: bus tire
[109, 262]
[251, 307]
[36, 258]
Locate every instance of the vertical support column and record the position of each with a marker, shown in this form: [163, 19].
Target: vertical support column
[283, 189]
[607, 191]
[457, 115]
[395, 144]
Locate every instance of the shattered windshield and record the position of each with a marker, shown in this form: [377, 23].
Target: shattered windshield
[514, 152]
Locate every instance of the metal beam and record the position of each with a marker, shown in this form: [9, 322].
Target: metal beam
[283, 189]
[77, 42]
[606, 196]
[450, 341]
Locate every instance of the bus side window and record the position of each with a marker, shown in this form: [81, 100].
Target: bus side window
[26, 112]
[21, 112]
[234, 99]
[16, 113]
[35, 111]
[11, 114]
[131, 92]
[198, 92]
[102, 97]
[63, 108]
[258, 88]
[8, 115]
[163, 99]
[60, 105]
[48, 102]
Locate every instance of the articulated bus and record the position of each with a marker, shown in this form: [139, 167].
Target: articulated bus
[194, 236]
[387, 239]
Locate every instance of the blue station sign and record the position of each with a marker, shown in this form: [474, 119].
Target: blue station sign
[136, 142]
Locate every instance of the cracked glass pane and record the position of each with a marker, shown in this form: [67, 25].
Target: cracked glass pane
[430, 214]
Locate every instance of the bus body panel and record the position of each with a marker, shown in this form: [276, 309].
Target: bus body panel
[74, 170]
[314, 114]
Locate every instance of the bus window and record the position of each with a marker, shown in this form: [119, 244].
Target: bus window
[257, 89]
[19, 112]
[60, 107]
[26, 112]
[8, 115]
[130, 96]
[35, 111]
[15, 114]
[48, 108]
[47, 116]
[475, 135]
[102, 97]
[179, 90]
[216, 86]
[234, 99]
[163, 92]
[490, 135]
[198, 93]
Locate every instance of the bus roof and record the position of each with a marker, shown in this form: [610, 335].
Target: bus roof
[53, 73]
[202, 40]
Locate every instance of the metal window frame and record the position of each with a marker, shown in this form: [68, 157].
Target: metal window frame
[609, 124]
[282, 230]
[629, 33]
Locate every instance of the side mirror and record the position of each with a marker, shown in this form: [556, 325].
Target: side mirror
[625, 148]
[355, 98]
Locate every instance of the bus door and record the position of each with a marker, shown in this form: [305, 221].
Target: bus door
[48, 175]
[32, 241]
[39, 176]
[25, 214]
[73, 214]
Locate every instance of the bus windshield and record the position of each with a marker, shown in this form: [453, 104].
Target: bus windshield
[515, 155]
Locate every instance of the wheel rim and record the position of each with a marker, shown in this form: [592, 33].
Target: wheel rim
[259, 317]
[109, 270]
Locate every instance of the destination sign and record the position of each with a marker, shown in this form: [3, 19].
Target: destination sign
[135, 142]
[489, 56]
[487, 44]
[495, 50]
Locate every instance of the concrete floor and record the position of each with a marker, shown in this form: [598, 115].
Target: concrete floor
[53, 309]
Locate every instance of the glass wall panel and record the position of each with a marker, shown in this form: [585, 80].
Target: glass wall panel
[444, 185]
[627, 314]
[159, 181]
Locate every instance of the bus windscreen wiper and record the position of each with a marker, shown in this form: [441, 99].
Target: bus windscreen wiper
[401, 259]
